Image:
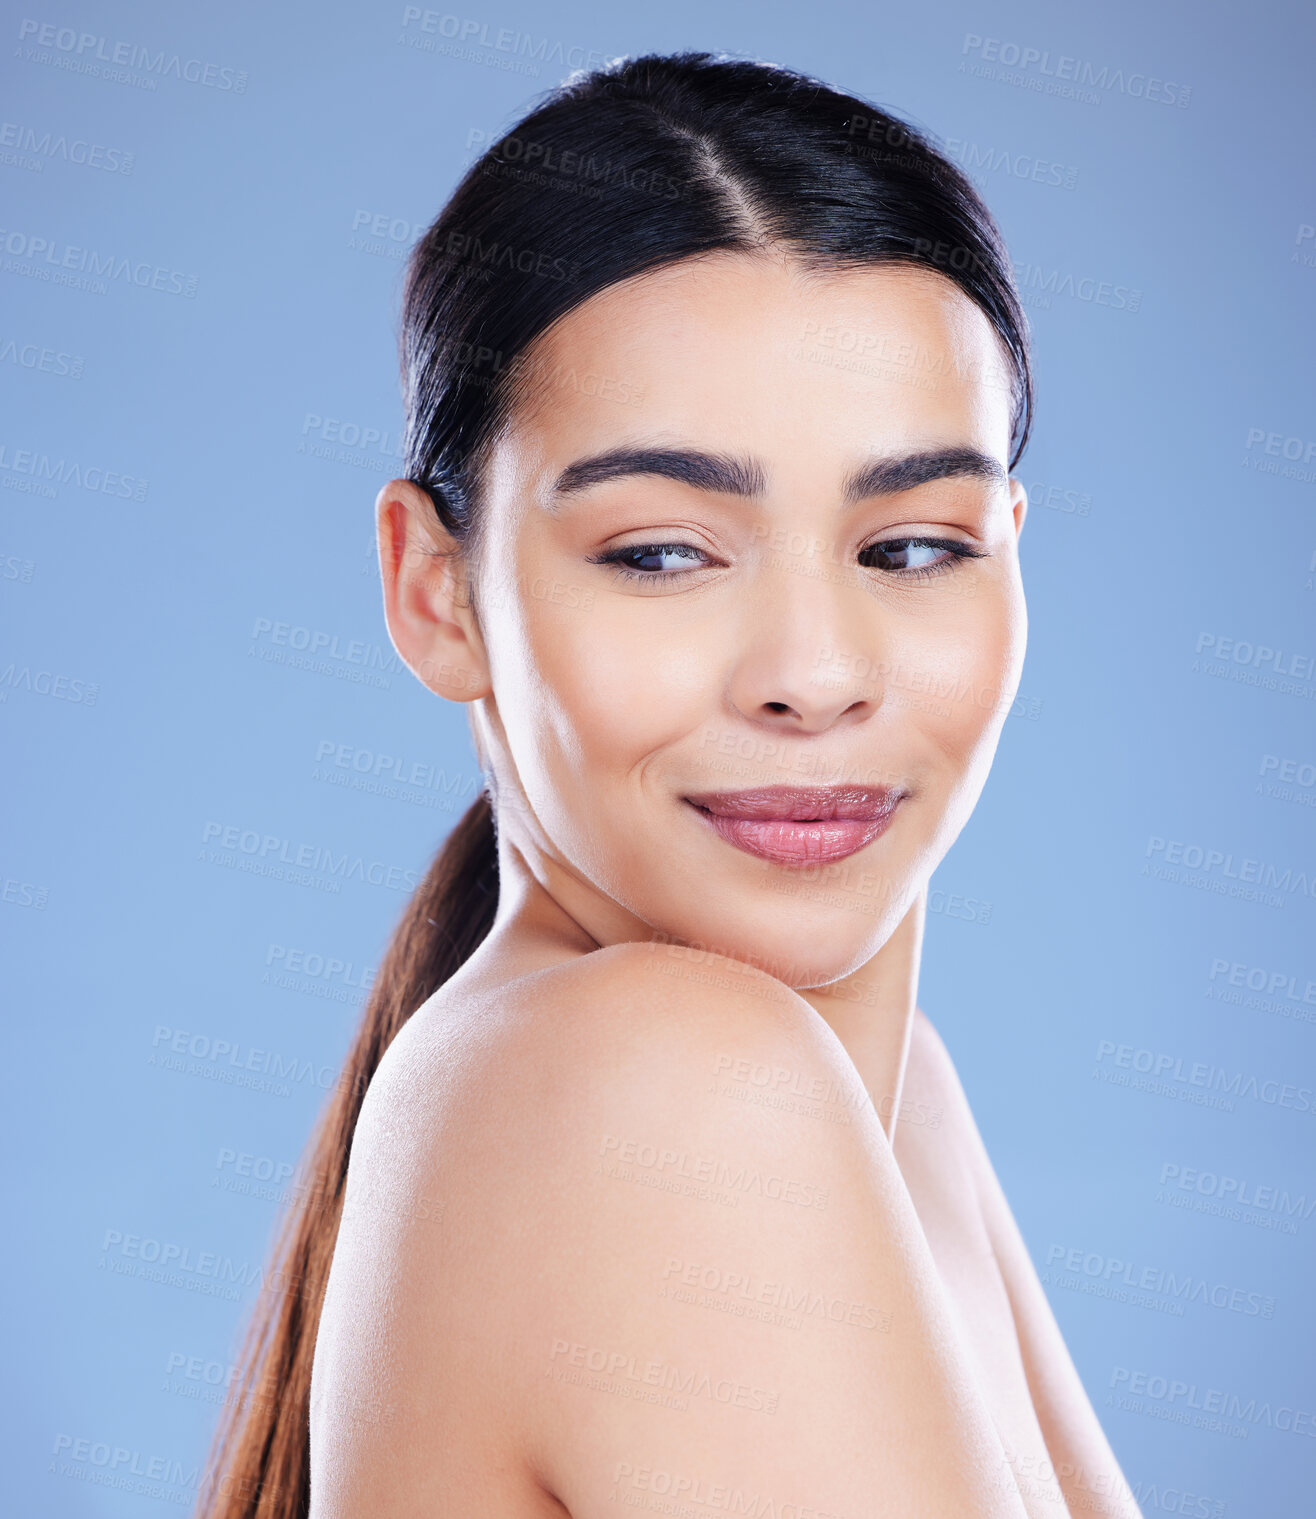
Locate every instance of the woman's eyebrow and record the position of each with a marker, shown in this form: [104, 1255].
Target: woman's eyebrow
[689, 466]
[747, 477]
[884, 477]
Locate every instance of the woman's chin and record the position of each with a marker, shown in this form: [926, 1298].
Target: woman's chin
[805, 949]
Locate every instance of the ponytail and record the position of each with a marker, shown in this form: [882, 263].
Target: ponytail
[260, 1465]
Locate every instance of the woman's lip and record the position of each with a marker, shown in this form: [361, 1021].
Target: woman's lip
[744, 820]
[801, 804]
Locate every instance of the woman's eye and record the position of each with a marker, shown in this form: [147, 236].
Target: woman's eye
[653, 559]
[915, 556]
[909, 558]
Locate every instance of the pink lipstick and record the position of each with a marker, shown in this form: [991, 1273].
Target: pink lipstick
[800, 825]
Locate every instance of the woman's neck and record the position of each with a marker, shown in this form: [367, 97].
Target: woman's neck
[872, 1012]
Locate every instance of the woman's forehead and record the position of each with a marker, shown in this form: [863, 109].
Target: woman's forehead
[759, 355]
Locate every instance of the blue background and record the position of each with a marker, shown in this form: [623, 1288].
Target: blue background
[188, 467]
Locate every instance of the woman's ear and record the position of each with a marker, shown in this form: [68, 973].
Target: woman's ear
[1018, 504]
[427, 602]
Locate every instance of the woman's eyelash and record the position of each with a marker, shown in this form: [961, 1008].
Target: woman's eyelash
[618, 557]
[889, 548]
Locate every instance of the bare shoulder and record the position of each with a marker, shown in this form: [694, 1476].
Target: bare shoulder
[957, 1158]
[929, 1056]
[933, 1084]
[531, 1158]
[643, 990]
[634, 1214]
[938, 1133]
[642, 1008]
[933, 1097]
[503, 1099]
[624, 1024]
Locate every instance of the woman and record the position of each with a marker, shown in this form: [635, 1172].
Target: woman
[665, 1194]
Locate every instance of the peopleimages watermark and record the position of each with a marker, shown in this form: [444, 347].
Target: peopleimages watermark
[626, 1374]
[1038, 285]
[231, 1063]
[1271, 453]
[489, 255]
[260, 1174]
[641, 1484]
[1159, 1280]
[1214, 1401]
[1168, 1075]
[42, 358]
[173, 1264]
[682, 1280]
[383, 226]
[269, 849]
[1069, 502]
[330, 968]
[32, 470]
[349, 442]
[19, 893]
[974, 156]
[1255, 664]
[197, 1368]
[1256, 656]
[104, 1463]
[1259, 990]
[690, 1174]
[17, 139]
[550, 166]
[1255, 979]
[521, 52]
[1059, 74]
[1233, 1194]
[1195, 865]
[1300, 773]
[323, 653]
[1280, 447]
[842, 667]
[87, 268]
[391, 775]
[86, 52]
[52, 683]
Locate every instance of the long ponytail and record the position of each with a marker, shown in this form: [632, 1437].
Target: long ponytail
[629, 168]
[260, 1465]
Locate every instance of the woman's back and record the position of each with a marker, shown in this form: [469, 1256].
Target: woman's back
[578, 1267]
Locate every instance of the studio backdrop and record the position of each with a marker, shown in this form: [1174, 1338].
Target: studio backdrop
[222, 784]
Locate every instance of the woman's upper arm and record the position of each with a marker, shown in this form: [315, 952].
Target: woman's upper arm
[676, 1258]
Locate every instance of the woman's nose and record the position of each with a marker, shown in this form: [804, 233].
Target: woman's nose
[809, 651]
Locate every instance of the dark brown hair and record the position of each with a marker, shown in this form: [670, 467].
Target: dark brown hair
[649, 161]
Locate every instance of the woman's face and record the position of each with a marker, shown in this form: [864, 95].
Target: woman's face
[698, 578]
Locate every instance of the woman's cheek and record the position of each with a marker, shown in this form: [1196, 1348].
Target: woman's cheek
[994, 675]
[968, 673]
[614, 688]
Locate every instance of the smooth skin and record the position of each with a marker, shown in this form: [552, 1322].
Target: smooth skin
[672, 1193]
